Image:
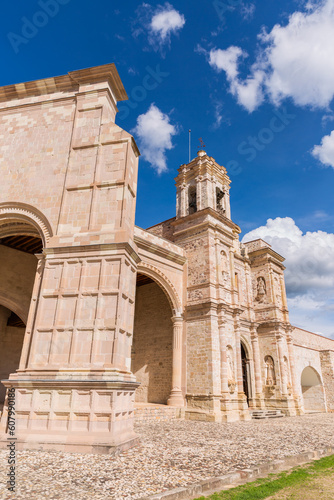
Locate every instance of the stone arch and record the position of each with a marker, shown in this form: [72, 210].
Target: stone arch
[247, 347]
[164, 283]
[11, 304]
[19, 217]
[152, 342]
[312, 390]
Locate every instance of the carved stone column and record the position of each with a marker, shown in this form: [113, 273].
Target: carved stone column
[199, 192]
[257, 362]
[176, 397]
[184, 200]
[294, 383]
[284, 382]
[223, 358]
[238, 354]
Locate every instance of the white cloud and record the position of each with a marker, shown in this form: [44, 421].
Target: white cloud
[154, 133]
[218, 115]
[158, 25]
[226, 60]
[248, 92]
[309, 274]
[247, 11]
[295, 61]
[167, 21]
[325, 152]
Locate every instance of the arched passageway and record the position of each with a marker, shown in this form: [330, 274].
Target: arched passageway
[152, 347]
[312, 390]
[17, 274]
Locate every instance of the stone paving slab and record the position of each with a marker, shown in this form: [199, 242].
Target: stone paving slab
[175, 454]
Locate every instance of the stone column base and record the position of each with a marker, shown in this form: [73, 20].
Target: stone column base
[203, 407]
[257, 403]
[75, 416]
[229, 409]
[287, 404]
[243, 407]
[176, 398]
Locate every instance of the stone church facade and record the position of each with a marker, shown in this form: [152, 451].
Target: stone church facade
[99, 317]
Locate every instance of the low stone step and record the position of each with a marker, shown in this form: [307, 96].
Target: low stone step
[262, 414]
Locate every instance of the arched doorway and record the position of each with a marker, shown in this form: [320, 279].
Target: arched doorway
[17, 275]
[152, 347]
[246, 376]
[312, 391]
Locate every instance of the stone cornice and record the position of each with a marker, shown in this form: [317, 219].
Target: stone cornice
[156, 249]
[204, 212]
[69, 82]
[101, 248]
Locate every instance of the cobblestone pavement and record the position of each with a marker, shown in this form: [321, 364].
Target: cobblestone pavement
[172, 454]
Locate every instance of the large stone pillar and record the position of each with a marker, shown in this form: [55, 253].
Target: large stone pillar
[294, 382]
[257, 361]
[240, 385]
[257, 368]
[223, 359]
[176, 397]
[284, 382]
[74, 390]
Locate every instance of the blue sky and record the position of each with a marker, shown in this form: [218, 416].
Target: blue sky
[254, 79]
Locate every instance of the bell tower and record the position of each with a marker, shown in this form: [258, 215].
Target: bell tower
[201, 184]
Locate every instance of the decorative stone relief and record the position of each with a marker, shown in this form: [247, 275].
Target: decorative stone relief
[224, 267]
[278, 291]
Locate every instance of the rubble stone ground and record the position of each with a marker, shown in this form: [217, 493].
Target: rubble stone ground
[172, 454]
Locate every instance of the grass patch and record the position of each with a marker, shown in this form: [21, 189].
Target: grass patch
[266, 487]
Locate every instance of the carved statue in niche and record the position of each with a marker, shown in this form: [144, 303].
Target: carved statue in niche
[270, 371]
[261, 290]
[230, 369]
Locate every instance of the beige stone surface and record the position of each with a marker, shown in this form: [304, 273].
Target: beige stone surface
[209, 330]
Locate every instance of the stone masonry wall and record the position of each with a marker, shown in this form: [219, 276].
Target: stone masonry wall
[327, 367]
[152, 345]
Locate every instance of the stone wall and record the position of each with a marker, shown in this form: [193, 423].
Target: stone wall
[327, 367]
[164, 229]
[152, 345]
[312, 340]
